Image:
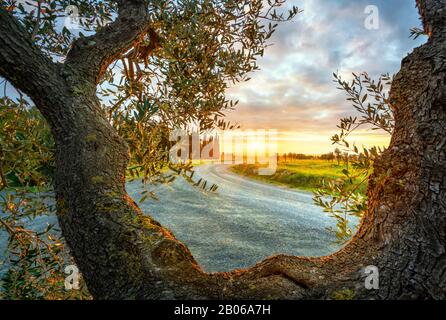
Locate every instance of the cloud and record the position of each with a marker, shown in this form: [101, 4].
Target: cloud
[294, 89]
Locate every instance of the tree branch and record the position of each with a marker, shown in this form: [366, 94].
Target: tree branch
[92, 55]
[433, 14]
[24, 65]
[37, 24]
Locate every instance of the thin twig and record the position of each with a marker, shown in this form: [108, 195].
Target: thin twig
[2, 178]
[36, 26]
[8, 227]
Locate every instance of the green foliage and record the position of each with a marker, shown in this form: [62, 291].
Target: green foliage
[26, 145]
[341, 197]
[416, 32]
[35, 258]
[177, 76]
[44, 20]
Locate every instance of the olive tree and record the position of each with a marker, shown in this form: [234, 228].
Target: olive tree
[177, 58]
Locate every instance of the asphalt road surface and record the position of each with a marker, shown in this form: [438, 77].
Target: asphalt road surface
[242, 223]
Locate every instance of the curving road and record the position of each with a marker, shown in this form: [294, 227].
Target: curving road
[242, 223]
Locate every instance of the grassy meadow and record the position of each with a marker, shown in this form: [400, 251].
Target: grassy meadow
[306, 175]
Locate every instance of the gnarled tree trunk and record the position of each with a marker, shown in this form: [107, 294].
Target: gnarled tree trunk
[124, 254]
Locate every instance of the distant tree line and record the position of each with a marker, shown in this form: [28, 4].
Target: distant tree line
[337, 155]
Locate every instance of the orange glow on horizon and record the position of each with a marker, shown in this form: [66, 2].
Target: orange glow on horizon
[308, 142]
[320, 142]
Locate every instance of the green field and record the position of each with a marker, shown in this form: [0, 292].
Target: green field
[305, 175]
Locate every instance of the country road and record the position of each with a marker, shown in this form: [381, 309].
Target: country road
[242, 223]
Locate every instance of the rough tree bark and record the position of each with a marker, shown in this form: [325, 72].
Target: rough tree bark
[125, 254]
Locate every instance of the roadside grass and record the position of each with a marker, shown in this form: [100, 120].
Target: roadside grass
[306, 175]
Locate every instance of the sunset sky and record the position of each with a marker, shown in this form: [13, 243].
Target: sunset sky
[294, 92]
